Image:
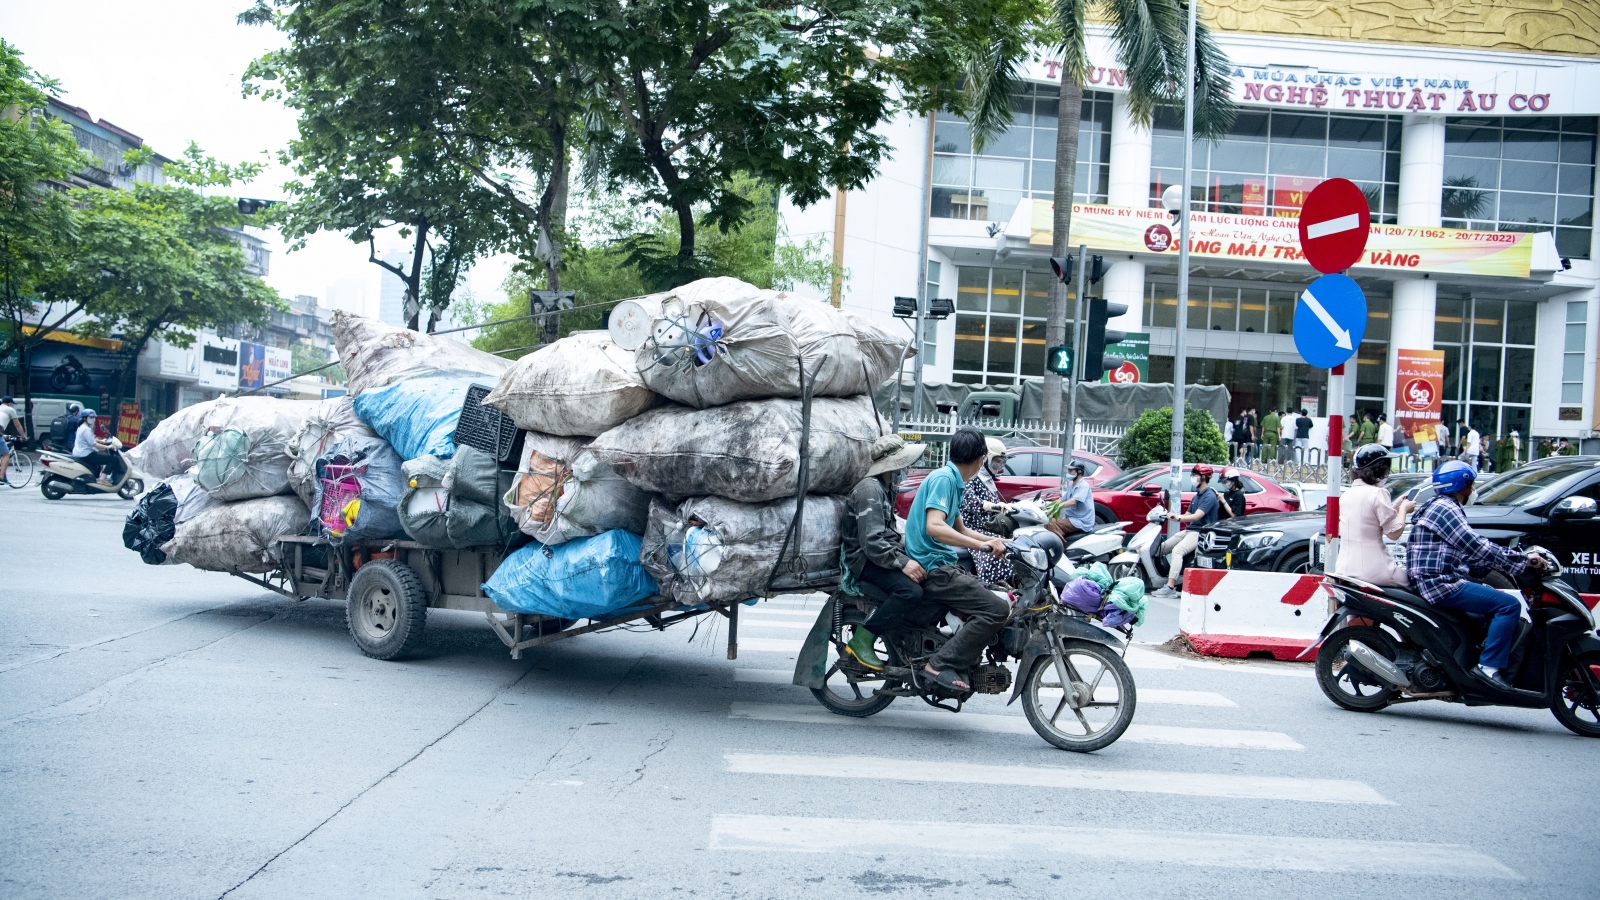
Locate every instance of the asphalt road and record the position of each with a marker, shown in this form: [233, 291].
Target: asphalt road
[168, 733]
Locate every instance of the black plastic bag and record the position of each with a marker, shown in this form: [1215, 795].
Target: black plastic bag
[151, 524]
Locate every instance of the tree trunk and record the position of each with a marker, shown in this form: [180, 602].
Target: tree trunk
[1055, 329]
[552, 216]
[414, 280]
[129, 372]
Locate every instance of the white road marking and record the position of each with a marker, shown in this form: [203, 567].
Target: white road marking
[756, 623]
[1231, 851]
[1190, 784]
[1012, 724]
[1333, 226]
[769, 645]
[764, 676]
[1135, 658]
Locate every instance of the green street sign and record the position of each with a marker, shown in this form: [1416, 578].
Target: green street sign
[1059, 360]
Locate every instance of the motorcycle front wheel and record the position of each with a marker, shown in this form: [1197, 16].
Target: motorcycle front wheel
[1094, 707]
[131, 488]
[1577, 695]
[856, 698]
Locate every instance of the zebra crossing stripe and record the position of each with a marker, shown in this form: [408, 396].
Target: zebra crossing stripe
[1011, 724]
[1147, 696]
[1233, 851]
[1191, 784]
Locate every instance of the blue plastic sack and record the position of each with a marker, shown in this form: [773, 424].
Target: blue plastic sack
[585, 578]
[418, 416]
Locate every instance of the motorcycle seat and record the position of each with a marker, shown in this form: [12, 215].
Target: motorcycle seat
[1470, 622]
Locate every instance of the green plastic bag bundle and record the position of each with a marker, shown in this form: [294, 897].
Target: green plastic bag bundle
[1099, 574]
[1128, 595]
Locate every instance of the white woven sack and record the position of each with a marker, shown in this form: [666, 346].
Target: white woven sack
[328, 422]
[375, 354]
[766, 338]
[712, 549]
[747, 451]
[169, 449]
[581, 385]
[562, 491]
[237, 537]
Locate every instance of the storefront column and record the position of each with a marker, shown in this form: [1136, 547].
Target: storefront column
[1421, 180]
[1129, 186]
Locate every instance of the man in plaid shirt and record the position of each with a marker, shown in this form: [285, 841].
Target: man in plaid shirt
[1444, 551]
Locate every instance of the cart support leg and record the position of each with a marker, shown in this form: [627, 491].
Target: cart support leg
[516, 636]
[733, 630]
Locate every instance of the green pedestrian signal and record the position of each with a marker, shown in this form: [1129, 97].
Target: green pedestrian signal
[1059, 361]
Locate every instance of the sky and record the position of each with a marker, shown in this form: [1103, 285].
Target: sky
[169, 71]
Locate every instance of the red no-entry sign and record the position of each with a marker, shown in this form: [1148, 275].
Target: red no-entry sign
[1334, 223]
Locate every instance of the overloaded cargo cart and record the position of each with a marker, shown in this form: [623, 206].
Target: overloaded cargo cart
[691, 458]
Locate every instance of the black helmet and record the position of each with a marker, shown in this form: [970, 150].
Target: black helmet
[1367, 454]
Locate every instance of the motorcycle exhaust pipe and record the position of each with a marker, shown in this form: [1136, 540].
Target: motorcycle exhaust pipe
[1373, 662]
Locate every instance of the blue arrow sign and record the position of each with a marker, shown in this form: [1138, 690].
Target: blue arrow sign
[1329, 321]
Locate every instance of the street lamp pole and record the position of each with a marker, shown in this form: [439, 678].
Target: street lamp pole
[1180, 359]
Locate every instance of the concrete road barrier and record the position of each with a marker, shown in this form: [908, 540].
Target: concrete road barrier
[1232, 613]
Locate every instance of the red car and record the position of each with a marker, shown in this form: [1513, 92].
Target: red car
[1129, 496]
[1028, 469]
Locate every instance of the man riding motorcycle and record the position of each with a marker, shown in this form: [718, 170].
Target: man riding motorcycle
[874, 551]
[1202, 512]
[1444, 552]
[934, 531]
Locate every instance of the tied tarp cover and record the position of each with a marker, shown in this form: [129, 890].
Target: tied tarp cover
[417, 416]
[587, 578]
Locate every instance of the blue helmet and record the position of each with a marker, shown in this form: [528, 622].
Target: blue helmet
[1453, 477]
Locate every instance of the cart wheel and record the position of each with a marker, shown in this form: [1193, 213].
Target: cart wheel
[388, 609]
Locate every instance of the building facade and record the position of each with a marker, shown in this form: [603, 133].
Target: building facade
[1472, 132]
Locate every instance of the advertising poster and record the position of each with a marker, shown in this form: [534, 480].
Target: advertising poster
[1289, 193]
[1392, 248]
[1255, 197]
[72, 370]
[279, 364]
[1133, 352]
[128, 424]
[252, 365]
[1419, 390]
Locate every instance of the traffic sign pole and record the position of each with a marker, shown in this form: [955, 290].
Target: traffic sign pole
[1335, 462]
[1069, 428]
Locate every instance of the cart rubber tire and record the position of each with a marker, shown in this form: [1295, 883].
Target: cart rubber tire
[387, 611]
[50, 489]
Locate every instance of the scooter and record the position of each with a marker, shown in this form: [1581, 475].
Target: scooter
[1142, 558]
[61, 475]
[1385, 645]
[1102, 544]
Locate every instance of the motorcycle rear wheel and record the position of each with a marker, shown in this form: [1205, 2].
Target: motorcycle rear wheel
[1103, 711]
[838, 693]
[1570, 706]
[1345, 682]
[131, 488]
[50, 489]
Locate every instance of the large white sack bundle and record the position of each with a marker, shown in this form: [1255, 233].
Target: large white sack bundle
[237, 537]
[562, 492]
[329, 422]
[718, 340]
[245, 450]
[375, 354]
[712, 549]
[581, 385]
[747, 451]
[169, 449]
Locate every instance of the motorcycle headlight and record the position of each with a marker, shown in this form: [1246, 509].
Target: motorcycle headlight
[1035, 558]
[1258, 540]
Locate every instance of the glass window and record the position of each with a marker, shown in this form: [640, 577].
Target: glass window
[1488, 321]
[973, 291]
[1197, 307]
[1033, 349]
[1253, 311]
[1163, 305]
[1020, 464]
[1280, 309]
[971, 335]
[1003, 338]
[1522, 322]
[1485, 373]
[1006, 294]
[1573, 351]
[1522, 175]
[1048, 465]
[1224, 309]
[1519, 376]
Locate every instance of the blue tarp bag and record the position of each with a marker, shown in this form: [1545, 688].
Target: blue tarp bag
[585, 578]
[417, 416]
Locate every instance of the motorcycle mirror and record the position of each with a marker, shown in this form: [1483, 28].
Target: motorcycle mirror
[1150, 490]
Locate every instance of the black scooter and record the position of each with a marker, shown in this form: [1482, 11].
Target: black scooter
[1386, 645]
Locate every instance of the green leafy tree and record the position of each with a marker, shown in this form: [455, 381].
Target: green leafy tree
[1151, 39]
[170, 258]
[1149, 439]
[41, 288]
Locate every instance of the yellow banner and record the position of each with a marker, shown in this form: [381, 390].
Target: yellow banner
[1392, 248]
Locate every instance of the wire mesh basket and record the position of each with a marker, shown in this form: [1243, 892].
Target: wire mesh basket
[340, 485]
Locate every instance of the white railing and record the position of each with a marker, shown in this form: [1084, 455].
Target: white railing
[1091, 437]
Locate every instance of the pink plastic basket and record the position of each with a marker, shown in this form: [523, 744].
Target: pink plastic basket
[339, 486]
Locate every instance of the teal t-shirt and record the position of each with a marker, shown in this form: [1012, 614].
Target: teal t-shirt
[941, 490]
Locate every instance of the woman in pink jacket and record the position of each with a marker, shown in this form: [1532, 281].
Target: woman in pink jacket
[1366, 516]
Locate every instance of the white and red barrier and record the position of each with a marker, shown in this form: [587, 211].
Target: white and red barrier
[1227, 612]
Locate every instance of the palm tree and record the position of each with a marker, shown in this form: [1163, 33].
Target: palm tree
[1150, 37]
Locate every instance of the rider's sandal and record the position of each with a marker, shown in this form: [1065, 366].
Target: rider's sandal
[949, 679]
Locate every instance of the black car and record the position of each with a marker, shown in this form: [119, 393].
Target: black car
[1263, 542]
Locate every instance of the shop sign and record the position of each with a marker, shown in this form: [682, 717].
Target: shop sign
[1419, 389]
[1133, 354]
[218, 367]
[1433, 93]
[1390, 248]
[128, 424]
[260, 366]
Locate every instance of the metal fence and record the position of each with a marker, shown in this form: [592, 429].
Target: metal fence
[1100, 439]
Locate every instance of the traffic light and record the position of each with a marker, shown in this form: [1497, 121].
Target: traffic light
[1097, 337]
[1062, 266]
[1059, 361]
[1097, 269]
[249, 207]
